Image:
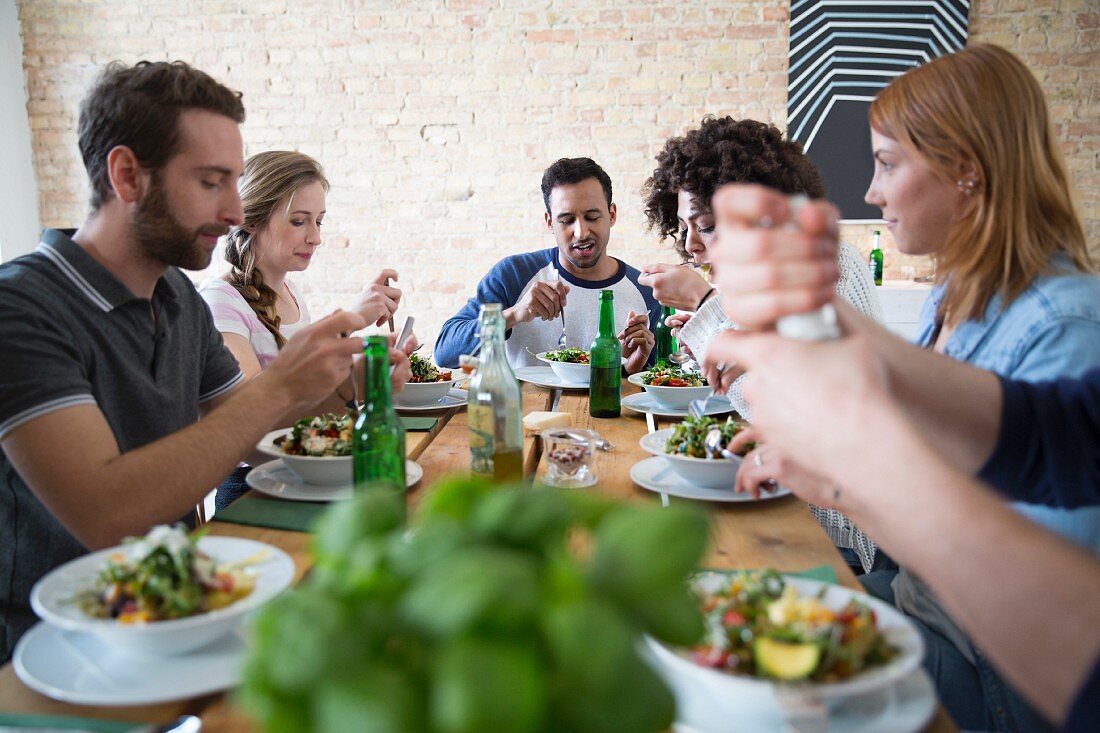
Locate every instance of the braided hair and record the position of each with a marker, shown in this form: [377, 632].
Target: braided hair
[723, 150]
[269, 183]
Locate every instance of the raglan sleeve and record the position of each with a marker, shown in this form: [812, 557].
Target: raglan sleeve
[502, 284]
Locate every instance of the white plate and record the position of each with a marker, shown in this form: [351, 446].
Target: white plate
[52, 598]
[655, 474]
[906, 707]
[709, 699]
[275, 479]
[79, 668]
[643, 402]
[455, 398]
[545, 377]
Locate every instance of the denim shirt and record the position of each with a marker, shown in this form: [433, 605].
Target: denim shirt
[1051, 330]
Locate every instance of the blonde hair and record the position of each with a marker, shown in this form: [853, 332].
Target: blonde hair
[978, 114]
[270, 179]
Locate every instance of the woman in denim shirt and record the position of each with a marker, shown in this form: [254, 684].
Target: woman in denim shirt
[968, 170]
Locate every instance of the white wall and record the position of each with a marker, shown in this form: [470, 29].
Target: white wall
[18, 189]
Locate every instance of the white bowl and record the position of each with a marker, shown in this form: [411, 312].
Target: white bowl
[52, 599]
[320, 470]
[710, 473]
[566, 371]
[419, 394]
[675, 398]
[710, 699]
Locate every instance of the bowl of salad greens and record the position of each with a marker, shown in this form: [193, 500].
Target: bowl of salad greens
[770, 637]
[317, 449]
[672, 386]
[428, 385]
[682, 446]
[569, 365]
[165, 593]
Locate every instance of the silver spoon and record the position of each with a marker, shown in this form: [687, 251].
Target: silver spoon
[715, 445]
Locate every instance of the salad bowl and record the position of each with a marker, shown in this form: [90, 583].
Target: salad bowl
[670, 397]
[56, 598]
[710, 473]
[319, 470]
[710, 699]
[431, 386]
[573, 372]
[420, 394]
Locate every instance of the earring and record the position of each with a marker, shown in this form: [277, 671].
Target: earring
[967, 185]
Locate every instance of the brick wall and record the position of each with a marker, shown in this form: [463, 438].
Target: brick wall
[435, 118]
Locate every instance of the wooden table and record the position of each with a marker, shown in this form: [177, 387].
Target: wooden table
[779, 533]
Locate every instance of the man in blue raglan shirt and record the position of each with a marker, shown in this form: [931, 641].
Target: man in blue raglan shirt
[535, 287]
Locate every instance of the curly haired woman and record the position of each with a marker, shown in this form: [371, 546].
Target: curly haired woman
[677, 203]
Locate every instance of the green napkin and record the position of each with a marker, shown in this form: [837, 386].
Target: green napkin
[64, 722]
[273, 513]
[823, 573]
[419, 424]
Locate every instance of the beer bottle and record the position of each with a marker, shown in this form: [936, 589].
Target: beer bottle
[494, 410]
[379, 439]
[876, 259]
[665, 343]
[605, 359]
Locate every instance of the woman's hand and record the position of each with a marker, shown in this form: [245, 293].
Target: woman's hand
[399, 359]
[378, 301]
[677, 286]
[765, 467]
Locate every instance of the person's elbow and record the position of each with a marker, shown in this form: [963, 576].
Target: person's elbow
[448, 346]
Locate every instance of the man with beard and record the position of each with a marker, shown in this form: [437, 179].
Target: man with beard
[108, 356]
[549, 289]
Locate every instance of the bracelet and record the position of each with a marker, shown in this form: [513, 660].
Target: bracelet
[704, 298]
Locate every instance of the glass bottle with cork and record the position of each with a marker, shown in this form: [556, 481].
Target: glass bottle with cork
[494, 410]
[378, 441]
[605, 363]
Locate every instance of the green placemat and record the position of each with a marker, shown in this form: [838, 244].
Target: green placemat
[419, 424]
[65, 722]
[823, 573]
[256, 512]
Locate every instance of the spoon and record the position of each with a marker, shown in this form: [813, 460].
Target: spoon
[715, 445]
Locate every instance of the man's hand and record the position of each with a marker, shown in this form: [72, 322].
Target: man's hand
[378, 301]
[544, 300]
[637, 341]
[764, 270]
[677, 286]
[315, 360]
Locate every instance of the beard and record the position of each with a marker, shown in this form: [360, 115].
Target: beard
[162, 237]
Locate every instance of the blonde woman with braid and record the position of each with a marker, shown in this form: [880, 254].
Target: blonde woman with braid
[255, 307]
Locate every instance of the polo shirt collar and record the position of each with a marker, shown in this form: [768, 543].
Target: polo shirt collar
[95, 281]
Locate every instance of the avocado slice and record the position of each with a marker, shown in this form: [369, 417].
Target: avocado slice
[785, 660]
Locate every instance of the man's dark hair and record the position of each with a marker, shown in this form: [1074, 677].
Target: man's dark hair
[139, 107]
[573, 170]
[724, 150]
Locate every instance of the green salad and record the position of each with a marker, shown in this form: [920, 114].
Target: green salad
[324, 435]
[687, 437]
[672, 377]
[424, 371]
[572, 355]
[759, 625]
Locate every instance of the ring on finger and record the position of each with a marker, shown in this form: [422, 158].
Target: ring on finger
[757, 460]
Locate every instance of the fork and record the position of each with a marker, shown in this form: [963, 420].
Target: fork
[553, 277]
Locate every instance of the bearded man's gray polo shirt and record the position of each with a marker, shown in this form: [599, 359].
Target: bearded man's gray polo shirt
[72, 334]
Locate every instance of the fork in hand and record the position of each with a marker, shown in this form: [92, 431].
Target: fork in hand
[552, 277]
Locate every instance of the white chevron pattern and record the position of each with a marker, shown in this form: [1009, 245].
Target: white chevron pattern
[847, 50]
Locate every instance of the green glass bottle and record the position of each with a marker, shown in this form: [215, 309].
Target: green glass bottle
[379, 439]
[665, 343]
[494, 410]
[606, 360]
[876, 258]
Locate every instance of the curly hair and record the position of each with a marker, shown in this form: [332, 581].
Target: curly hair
[723, 150]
